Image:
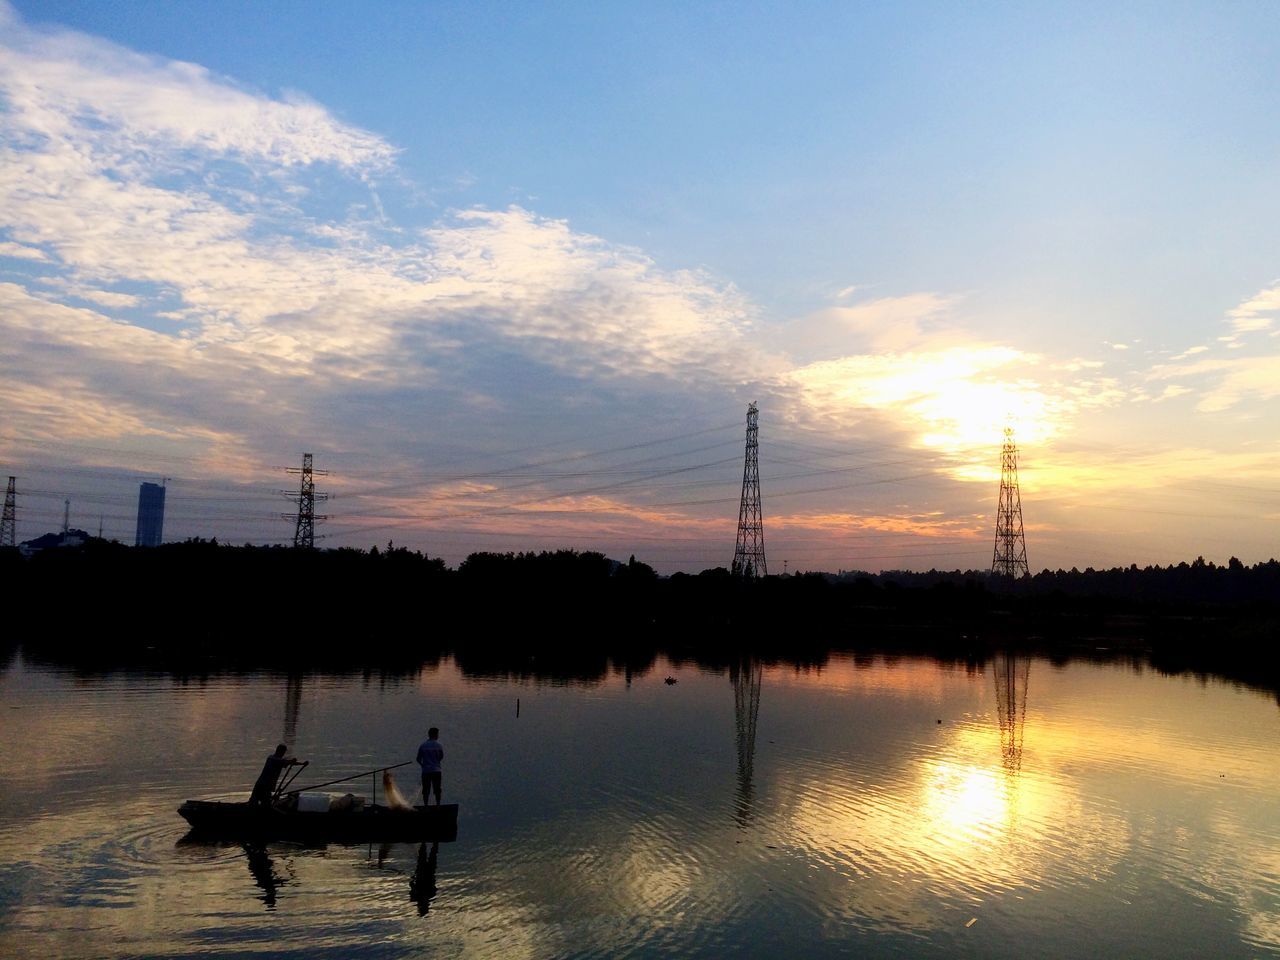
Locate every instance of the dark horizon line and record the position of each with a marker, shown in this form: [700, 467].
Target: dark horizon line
[1232, 564]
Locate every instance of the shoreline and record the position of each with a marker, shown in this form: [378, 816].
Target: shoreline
[561, 660]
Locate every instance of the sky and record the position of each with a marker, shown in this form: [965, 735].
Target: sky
[512, 274]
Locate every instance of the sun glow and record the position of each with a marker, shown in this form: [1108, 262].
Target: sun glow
[965, 801]
[956, 401]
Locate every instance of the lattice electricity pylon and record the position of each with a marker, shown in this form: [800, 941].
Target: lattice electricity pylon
[748, 555]
[1010, 556]
[9, 525]
[304, 534]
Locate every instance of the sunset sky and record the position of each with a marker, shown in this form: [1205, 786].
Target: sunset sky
[512, 273]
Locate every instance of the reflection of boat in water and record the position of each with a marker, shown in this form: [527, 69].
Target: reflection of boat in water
[228, 820]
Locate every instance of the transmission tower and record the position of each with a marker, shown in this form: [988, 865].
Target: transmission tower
[1010, 556]
[304, 534]
[748, 555]
[9, 525]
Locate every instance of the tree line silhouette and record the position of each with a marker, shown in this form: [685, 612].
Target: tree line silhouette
[202, 599]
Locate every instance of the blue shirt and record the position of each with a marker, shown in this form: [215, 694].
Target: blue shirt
[429, 756]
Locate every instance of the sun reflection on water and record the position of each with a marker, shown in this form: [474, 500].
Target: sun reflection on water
[963, 801]
[749, 810]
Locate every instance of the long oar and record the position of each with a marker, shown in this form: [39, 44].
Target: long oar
[354, 776]
[289, 778]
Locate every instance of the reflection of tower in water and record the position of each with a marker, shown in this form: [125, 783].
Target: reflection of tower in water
[1011, 674]
[292, 705]
[745, 675]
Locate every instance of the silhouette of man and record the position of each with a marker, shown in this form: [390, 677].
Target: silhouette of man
[422, 885]
[265, 787]
[264, 873]
[430, 753]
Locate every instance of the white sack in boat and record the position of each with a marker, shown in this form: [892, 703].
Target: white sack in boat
[394, 799]
[329, 802]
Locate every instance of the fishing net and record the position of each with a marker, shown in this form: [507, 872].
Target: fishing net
[395, 800]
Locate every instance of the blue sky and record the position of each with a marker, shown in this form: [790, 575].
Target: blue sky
[467, 253]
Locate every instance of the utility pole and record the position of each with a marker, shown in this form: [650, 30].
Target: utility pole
[9, 525]
[1010, 556]
[748, 555]
[304, 534]
[66, 515]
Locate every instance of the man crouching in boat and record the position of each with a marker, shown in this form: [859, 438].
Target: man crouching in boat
[265, 787]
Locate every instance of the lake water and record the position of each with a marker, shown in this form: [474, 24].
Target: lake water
[1078, 810]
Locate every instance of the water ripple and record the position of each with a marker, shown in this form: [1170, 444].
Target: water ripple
[620, 823]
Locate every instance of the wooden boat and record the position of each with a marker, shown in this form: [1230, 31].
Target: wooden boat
[224, 820]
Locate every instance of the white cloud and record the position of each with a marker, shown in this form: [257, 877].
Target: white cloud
[105, 298]
[1171, 391]
[1254, 314]
[105, 158]
[122, 171]
[64, 85]
[109, 298]
[1244, 378]
[953, 399]
[541, 284]
[880, 325]
[78, 375]
[1235, 379]
[20, 252]
[1077, 364]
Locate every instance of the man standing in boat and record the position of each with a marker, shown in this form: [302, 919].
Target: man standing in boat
[265, 787]
[429, 756]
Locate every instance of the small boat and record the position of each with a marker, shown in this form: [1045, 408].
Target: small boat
[372, 823]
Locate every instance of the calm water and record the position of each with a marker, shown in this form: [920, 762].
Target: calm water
[1054, 811]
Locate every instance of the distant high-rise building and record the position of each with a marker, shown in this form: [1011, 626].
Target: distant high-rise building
[150, 515]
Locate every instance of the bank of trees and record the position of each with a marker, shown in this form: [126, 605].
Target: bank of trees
[206, 599]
